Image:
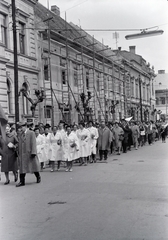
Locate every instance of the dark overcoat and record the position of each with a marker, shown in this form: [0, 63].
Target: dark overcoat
[27, 147]
[105, 138]
[9, 157]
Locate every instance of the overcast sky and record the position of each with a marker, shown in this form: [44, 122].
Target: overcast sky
[122, 14]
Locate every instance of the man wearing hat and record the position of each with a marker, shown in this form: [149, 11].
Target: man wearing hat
[28, 161]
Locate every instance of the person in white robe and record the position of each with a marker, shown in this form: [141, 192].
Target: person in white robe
[83, 135]
[92, 141]
[56, 153]
[71, 148]
[40, 143]
[62, 133]
[75, 131]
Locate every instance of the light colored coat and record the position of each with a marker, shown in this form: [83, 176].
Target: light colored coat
[56, 151]
[118, 131]
[71, 153]
[27, 147]
[47, 145]
[40, 142]
[93, 139]
[104, 139]
[84, 135]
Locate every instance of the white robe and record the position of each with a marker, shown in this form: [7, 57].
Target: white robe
[40, 143]
[47, 145]
[56, 152]
[84, 136]
[71, 153]
[93, 139]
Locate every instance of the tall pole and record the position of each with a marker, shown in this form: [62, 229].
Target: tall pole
[67, 68]
[15, 63]
[50, 74]
[140, 98]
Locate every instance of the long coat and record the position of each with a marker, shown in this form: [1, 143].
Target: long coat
[56, 151]
[40, 143]
[118, 131]
[71, 153]
[9, 157]
[27, 147]
[93, 139]
[84, 135]
[104, 139]
[47, 146]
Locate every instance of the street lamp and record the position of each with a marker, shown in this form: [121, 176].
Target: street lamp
[144, 34]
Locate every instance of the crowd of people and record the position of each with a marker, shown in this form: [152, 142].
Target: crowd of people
[33, 148]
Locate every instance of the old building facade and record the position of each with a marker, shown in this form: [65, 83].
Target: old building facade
[161, 92]
[82, 78]
[27, 57]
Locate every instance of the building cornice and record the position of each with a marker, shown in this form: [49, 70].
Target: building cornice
[4, 3]
[24, 68]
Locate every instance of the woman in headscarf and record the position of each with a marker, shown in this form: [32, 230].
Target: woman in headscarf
[9, 155]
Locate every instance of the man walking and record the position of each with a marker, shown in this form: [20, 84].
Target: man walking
[104, 140]
[28, 160]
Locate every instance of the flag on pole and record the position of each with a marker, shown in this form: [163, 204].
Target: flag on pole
[3, 123]
[128, 119]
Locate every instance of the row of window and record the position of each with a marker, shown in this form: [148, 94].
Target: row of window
[4, 37]
[161, 100]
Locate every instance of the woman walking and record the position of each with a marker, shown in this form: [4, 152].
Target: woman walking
[56, 148]
[83, 135]
[40, 142]
[9, 155]
[71, 145]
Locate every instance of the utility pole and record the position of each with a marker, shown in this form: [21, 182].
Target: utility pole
[140, 98]
[15, 63]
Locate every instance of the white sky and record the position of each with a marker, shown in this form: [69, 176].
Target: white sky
[122, 14]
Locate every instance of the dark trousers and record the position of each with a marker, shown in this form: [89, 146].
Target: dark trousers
[124, 146]
[150, 138]
[23, 175]
[103, 153]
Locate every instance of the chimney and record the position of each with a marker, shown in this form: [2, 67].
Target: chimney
[161, 71]
[119, 48]
[55, 10]
[132, 49]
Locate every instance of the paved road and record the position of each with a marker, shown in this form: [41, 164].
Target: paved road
[127, 198]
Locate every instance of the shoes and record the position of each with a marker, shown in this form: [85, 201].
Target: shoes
[70, 170]
[58, 169]
[85, 164]
[67, 170]
[38, 179]
[16, 176]
[51, 170]
[20, 184]
[7, 182]
[118, 153]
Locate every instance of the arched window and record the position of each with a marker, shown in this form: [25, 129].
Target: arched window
[9, 95]
[25, 100]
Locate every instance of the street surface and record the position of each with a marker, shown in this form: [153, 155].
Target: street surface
[126, 199]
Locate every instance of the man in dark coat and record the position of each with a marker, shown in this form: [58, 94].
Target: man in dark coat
[104, 140]
[28, 161]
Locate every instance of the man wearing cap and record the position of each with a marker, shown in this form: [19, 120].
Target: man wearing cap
[28, 161]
